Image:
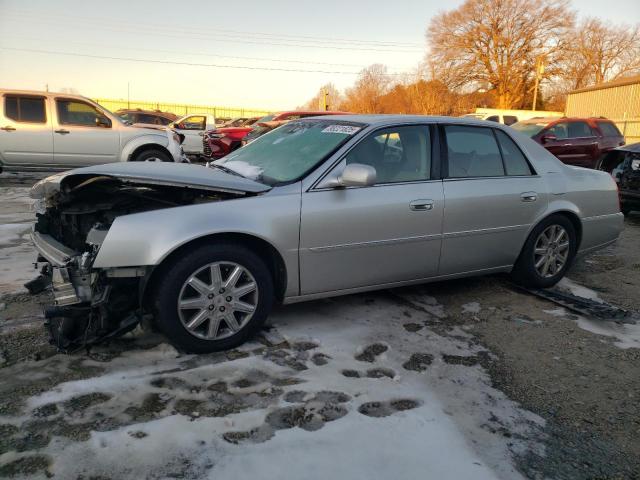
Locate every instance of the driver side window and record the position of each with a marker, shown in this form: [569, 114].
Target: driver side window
[399, 154]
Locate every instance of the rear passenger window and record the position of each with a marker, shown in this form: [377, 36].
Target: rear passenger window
[25, 109]
[472, 152]
[578, 130]
[493, 118]
[514, 160]
[609, 129]
[510, 119]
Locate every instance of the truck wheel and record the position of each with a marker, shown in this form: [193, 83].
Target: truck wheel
[547, 254]
[213, 298]
[152, 156]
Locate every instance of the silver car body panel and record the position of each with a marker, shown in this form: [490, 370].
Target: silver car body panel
[335, 241]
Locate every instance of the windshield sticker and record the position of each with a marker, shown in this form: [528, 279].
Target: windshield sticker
[343, 129]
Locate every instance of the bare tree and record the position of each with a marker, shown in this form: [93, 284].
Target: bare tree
[495, 44]
[598, 52]
[364, 97]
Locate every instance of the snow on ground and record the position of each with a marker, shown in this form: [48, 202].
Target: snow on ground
[579, 290]
[16, 252]
[627, 335]
[360, 389]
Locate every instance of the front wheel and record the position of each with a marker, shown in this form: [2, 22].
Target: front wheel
[547, 254]
[213, 298]
[153, 155]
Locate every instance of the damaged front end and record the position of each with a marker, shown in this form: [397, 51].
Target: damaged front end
[74, 215]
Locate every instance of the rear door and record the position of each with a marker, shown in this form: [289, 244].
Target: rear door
[26, 137]
[492, 196]
[192, 127]
[83, 135]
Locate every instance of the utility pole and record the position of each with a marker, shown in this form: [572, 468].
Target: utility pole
[539, 72]
[325, 94]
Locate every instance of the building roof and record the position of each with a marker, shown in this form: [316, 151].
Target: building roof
[614, 83]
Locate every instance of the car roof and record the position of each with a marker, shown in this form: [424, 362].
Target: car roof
[40, 93]
[384, 119]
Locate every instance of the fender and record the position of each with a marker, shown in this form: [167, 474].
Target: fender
[147, 238]
[148, 139]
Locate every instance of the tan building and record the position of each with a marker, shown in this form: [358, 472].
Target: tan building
[618, 100]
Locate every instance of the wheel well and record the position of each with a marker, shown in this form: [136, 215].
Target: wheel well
[264, 249]
[146, 147]
[575, 221]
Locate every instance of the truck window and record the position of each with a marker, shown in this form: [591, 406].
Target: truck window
[25, 109]
[76, 112]
[510, 119]
[493, 118]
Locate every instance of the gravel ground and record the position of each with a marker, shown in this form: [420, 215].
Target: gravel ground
[481, 336]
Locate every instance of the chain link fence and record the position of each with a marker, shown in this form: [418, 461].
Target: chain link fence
[181, 109]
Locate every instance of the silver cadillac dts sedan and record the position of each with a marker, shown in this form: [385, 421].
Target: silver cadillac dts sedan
[318, 207]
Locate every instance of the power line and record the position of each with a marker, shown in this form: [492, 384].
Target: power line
[169, 62]
[32, 14]
[225, 39]
[204, 54]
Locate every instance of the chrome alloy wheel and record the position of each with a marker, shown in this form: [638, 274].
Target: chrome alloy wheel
[551, 251]
[217, 300]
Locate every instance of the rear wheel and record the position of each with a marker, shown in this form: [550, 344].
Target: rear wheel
[152, 155]
[547, 254]
[213, 298]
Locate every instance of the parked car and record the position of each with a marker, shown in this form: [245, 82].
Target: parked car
[575, 141]
[53, 131]
[509, 117]
[191, 128]
[148, 117]
[267, 124]
[317, 208]
[623, 163]
[241, 122]
[222, 141]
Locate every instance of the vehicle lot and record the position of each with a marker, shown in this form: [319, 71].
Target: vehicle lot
[461, 379]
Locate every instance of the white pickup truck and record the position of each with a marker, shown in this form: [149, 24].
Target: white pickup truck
[59, 131]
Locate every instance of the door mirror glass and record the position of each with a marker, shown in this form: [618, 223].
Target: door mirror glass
[549, 137]
[357, 175]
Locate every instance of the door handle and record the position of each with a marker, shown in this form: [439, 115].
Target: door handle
[8, 129]
[421, 205]
[529, 197]
[62, 131]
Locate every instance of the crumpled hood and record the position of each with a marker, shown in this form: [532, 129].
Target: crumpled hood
[152, 173]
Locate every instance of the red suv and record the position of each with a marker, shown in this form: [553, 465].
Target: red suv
[575, 141]
[222, 141]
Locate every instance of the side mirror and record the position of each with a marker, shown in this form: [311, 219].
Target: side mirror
[103, 122]
[548, 137]
[357, 175]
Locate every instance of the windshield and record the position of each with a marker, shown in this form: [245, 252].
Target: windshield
[529, 129]
[287, 153]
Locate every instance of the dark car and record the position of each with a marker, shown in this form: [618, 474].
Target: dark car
[222, 141]
[575, 141]
[151, 117]
[623, 163]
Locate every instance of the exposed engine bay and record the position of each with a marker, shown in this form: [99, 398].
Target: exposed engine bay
[73, 219]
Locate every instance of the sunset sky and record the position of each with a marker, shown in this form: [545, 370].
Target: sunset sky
[52, 43]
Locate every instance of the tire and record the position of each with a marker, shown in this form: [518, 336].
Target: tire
[175, 284]
[152, 155]
[525, 271]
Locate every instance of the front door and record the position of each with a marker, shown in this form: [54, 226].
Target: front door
[492, 196]
[83, 135]
[575, 143]
[192, 127]
[376, 235]
[26, 137]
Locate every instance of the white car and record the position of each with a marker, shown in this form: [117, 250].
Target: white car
[58, 131]
[192, 128]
